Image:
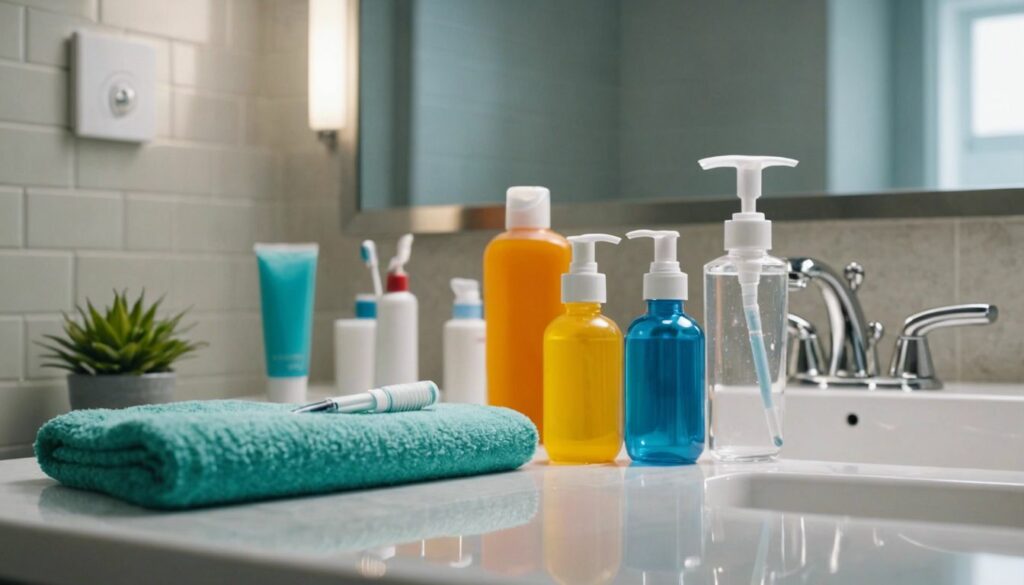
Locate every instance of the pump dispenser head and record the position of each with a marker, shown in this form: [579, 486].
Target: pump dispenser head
[467, 299]
[398, 280]
[527, 207]
[583, 283]
[748, 229]
[665, 280]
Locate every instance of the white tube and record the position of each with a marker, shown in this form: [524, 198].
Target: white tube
[354, 344]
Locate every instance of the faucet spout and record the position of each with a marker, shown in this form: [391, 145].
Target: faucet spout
[852, 351]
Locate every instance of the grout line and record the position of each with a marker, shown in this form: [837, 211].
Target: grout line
[23, 48]
[47, 128]
[32, 66]
[24, 217]
[219, 147]
[123, 246]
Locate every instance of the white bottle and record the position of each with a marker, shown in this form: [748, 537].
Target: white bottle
[354, 347]
[397, 349]
[465, 358]
[745, 306]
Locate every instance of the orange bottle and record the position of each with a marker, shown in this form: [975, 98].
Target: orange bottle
[523, 269]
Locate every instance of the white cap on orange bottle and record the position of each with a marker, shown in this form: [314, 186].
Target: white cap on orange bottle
[527, 207]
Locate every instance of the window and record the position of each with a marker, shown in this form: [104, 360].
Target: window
[997, 75]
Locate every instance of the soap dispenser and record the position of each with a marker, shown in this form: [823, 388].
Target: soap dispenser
[745, 306]
[583, 366]
[664, 365]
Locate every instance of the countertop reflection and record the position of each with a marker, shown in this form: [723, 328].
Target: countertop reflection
[617, 523]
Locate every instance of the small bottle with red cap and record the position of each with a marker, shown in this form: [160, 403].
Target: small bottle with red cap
[397, 318]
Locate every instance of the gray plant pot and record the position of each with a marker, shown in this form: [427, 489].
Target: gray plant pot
[119, 391]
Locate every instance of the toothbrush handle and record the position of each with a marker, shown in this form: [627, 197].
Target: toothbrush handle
[402, 397]
[393, 398]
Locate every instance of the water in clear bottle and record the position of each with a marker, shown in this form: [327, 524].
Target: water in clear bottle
[738, 428]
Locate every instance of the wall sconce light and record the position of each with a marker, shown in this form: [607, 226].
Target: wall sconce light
[328, 68]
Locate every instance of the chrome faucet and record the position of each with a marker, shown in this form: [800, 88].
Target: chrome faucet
[853, 356]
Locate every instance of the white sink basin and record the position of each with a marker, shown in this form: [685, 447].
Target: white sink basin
[969, 426]
[983, 504]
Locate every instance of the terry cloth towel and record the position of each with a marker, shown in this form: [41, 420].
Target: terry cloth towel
[189, 454]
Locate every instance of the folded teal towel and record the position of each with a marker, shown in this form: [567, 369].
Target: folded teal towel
[190, 454]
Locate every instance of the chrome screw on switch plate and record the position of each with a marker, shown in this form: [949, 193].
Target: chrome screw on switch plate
[122, 99]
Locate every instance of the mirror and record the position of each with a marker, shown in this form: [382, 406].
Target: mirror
[615, 100]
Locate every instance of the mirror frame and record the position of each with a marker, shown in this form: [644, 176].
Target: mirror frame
[447, 219]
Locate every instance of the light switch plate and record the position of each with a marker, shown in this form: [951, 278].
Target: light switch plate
[114, 87]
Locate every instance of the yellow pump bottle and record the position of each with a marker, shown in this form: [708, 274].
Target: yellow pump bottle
[583, 366]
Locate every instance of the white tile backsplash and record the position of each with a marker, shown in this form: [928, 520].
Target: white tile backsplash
[36, 327]
[213, 226]
[214, 69]
[27, 405]
[199, 21]
[245, 24]
[205, 282]
[12, 360]
[163, 55]
[98, 273]
[248, 173]
[206, 118]
[33, 95]
[85, 8]
[34, 281]
[81, 217]
[11, 18]
[156, 167]
[164, 112]
[49, 36]
[12, 216]
[149, 223]
[66, 219]
[284, 74]
[35, 157]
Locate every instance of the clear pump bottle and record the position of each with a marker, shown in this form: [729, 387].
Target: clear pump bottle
[664, 365]
[583, 366]
[745, 306]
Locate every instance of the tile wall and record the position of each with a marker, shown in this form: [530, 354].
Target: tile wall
[177, 216]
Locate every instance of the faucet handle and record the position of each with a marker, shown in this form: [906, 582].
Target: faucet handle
[920, 324]
[912, 359]
[854, 274]
[805, 356]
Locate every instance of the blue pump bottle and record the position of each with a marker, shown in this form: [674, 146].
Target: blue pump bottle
[664, 366]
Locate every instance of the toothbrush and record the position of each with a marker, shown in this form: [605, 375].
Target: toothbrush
[368, 252]
[394, 398]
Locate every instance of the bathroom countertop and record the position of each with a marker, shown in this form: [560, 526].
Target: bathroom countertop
[544, 523]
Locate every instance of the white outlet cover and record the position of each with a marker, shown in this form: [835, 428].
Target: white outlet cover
[114, 94]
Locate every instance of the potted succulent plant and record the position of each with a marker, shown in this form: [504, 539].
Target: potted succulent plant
[121, 357]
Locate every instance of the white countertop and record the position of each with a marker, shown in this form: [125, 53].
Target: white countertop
[567, 524]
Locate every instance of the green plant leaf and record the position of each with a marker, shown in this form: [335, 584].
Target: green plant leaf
[120, 339]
